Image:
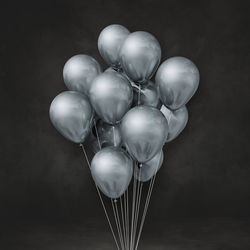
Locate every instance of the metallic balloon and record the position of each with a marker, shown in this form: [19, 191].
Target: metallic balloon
[79, 72]
[109, 135]
[72, 115]
[112, 170]
[92, 142]
[111, 96]
[110, 41]
[110, 69]
[148, 169]
[144, 131]
[149, 95]
[178, 79]
[177, 121]
[104, 135]
[140, 56]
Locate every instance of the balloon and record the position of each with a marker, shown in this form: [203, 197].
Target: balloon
[111, 96]
[72, 115]
[108, 135]
[177, 121]
[110, 41]
[112, 170]
[144, 131]
[140, 56]
[110, 69]
[79, 72]
[178, 79]
[149, 96]
[92, 142]
[148, 169]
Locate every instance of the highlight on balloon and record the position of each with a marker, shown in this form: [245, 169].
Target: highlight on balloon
[126, 118]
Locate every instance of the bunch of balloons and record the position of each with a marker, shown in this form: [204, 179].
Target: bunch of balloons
[122, 114]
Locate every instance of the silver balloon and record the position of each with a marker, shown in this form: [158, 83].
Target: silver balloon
[92, 142]
[111, 96]
[79, 72]
[177, 121]
[112, 170]
[178, 79]
[110, 41]
[104, 135]
[144, 131]
[149, 95]
[109, 135]
[72, 115]
[148, 169]
[110, 69]
[140, 56]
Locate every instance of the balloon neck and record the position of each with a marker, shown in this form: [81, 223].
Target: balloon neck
[142, 82]
[117, 68]
[140, 165]
[139, 95]
[115, 200]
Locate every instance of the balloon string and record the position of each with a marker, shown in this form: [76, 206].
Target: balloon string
[100, 197]
[139, 95]
[125, 219]
[123, 223]
[116, 221]
[98, 139]
[127, 215]
[133, 209]
[114, 135]
[127, 212]
[145, 209]
[138, 205]
[119, 224]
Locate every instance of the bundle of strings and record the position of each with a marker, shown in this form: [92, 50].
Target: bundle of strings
[127, 216]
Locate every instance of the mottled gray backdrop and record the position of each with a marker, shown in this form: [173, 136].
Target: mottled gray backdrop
[206, 171]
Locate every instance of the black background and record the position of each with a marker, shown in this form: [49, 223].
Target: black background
[206, 171]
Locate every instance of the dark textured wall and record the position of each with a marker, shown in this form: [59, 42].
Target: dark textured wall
[206, 170]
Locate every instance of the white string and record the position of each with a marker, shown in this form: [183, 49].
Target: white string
[133, 210]
[116, 221]
[128, 220]
[119, 224]
[123, 223]
[145, 209]
[97, 135]
[139, 95]
[140, 185]
[114, 136]
[103, 205]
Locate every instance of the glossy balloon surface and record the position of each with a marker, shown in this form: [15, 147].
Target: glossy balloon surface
[110, 41]
[177, 121]
[79, 72]
[149, 95]
[140, 56]
[111, 96]
[144, 131]
[72, 115]
[112, 170]
[109, 135]
[177, 79]
[92, 142]
[149, 168]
